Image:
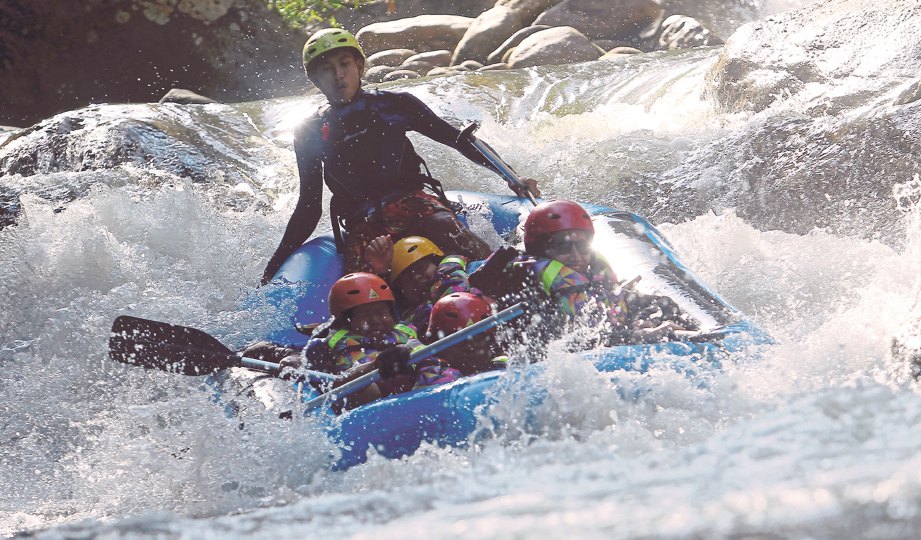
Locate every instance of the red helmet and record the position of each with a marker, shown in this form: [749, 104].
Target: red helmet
[456, 311]
[355, 290]
[553, 216]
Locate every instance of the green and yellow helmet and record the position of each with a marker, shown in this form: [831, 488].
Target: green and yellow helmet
[327, 40]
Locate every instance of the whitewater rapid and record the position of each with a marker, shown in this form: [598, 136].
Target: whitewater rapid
[820, 433]
[821, 437]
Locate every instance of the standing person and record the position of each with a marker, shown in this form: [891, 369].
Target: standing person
[359, 148]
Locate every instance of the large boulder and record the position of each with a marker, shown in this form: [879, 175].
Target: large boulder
[722, 17]
[513, 41]
[390, 57]
[852, 46]
[56, 56]
[436, 58]
[681, 32]
[354, 18]
[422, 33]
[555, 46]
[528, 10]
[487, 32]
[605, 19]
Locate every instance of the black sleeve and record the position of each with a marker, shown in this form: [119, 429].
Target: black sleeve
[309, 207]
[424, 121]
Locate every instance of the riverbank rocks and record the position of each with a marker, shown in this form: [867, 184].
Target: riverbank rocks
[620, 52]
[398, 74]
[487, 32]
[390, 57]
[435, 58]
[185, 97]
[528, 10]
[353, 18]
[422, 33]
[830, 52]
[682, 32]
[513, 41]
[604, 19]
[560, 45]
[378, 73]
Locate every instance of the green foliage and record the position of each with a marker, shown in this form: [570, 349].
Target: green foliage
[301, 13]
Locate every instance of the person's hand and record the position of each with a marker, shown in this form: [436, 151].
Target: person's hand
[394, 361]
[289, 366]
[530, 184]
[379, 253]
[291, 361]
[663, 332]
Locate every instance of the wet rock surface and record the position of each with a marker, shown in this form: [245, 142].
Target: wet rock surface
[851, 45]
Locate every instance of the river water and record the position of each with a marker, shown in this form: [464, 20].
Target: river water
[819, 438]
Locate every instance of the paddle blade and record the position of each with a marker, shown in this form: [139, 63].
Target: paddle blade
[167, 347]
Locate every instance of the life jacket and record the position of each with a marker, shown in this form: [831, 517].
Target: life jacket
[341, 349]
[440, 373]
[571, 292]
[368, 161]
[451, 277]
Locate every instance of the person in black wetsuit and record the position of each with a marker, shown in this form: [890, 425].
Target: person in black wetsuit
[359, 148]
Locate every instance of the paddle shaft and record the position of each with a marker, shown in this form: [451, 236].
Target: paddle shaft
[505, 170]
[421, 354]
[274, 369]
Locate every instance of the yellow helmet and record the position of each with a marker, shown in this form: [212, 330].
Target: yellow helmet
[408, 250]
[327, 40]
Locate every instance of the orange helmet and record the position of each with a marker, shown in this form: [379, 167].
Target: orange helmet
[355, 290]
[549, 217]
[457, 311]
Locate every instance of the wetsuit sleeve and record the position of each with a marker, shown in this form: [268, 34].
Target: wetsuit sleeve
[309, 208]
[424, 121]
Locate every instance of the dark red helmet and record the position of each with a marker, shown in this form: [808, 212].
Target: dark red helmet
[457, 311]
[355, 290]
[549, 217]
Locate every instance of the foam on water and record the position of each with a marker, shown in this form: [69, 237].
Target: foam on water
[814, 433]
[819, 438]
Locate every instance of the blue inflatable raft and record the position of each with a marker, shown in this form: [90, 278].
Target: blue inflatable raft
[449, 414]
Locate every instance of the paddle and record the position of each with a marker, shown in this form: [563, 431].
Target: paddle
[179, 349]
[422, 353]
[505, 170]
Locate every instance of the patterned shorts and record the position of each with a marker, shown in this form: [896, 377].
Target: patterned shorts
[398, 218]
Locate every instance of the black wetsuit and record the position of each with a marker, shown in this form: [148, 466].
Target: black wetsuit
[361, 151]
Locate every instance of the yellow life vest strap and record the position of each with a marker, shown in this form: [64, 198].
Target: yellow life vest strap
[406, 330]
[549, 274]
[337, 337]
[455, 259]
